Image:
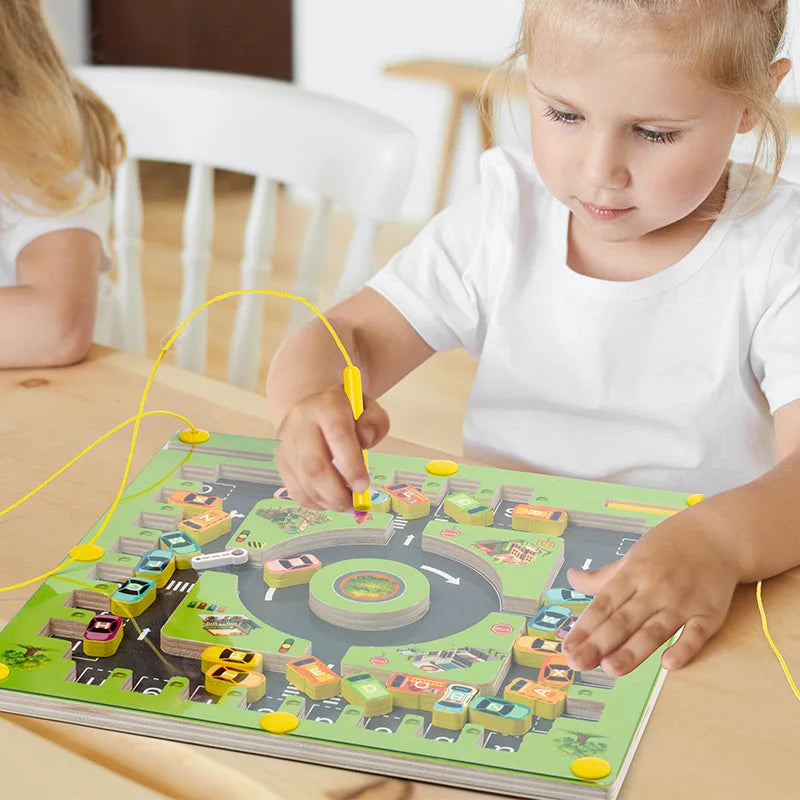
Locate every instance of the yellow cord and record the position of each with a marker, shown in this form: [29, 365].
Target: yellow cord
[772, 644]
[85, 451]
[155, 650]
[141, 413]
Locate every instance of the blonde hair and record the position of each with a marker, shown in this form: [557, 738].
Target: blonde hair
[730, 43]
[56, 135]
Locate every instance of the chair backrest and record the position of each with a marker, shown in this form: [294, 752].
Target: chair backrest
[346, 155]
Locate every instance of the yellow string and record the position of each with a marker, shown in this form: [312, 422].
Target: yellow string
[85, 451]
[141, 413]
[775, 650]
[155, 650]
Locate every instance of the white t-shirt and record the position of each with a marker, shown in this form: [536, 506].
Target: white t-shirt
[667, 381]
[19, 228]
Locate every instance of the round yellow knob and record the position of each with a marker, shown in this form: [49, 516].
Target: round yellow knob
[694, 499]
[442, 467]
[590, 768]
[87, 552]
[4, 672]
[279, 722]
[194, 437]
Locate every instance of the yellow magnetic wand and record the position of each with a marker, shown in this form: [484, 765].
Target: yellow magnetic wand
[352, 388]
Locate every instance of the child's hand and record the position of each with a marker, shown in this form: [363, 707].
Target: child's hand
[317, 430]
[680, 574]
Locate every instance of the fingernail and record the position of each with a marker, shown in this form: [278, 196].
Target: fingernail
[361, 486]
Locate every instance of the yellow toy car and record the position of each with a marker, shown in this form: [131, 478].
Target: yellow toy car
[228, 657]
[221, 678]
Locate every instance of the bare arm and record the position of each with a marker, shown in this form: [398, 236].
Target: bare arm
[377, 336]
[762, 518]
[48, 318]
[307, 404]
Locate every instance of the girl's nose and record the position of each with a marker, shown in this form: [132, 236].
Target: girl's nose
[605, 165]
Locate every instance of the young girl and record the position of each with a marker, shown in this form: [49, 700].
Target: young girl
[632, 298]
[58, 146]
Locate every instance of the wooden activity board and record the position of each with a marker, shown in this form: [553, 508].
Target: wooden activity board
[421, 639]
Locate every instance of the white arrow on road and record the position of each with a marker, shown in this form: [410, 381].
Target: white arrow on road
[445, 575]
[270, 593]
[408, 540]
[143, 634]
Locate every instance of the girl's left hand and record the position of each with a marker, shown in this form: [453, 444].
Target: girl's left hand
[679, 574]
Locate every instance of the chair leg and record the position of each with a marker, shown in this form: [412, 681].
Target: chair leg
[311, 260]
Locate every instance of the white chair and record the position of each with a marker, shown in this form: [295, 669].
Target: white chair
[344, 154]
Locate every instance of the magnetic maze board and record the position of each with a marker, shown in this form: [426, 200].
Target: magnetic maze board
[421, 639]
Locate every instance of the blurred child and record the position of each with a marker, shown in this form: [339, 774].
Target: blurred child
[58, 147]
[632, 298]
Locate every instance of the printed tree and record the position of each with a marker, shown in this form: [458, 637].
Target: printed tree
[22, 656]
[369, 586]
[579, 743]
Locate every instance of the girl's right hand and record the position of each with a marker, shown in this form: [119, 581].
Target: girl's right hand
[317, 430]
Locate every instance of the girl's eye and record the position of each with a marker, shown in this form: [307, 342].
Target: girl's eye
[560, 116]
[659, 137]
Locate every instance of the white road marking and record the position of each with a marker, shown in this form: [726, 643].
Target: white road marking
[449, 578]
[143, 634]
[624, 546]
[587, 563]
[408, 540]
[270, 593]
[170, 585]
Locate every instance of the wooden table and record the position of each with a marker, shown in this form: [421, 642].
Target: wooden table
[726, 726]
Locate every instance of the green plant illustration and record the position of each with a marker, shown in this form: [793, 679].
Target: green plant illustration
[22, 656]
[579, 743]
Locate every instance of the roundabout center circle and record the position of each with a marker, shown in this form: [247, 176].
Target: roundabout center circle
[369, 586]
[369, 594]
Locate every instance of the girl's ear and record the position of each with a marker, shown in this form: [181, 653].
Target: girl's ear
[746, 123]
[778, 70]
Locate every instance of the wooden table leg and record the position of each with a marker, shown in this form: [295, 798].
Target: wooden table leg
[453, 124]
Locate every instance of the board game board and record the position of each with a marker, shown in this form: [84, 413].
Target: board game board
[421, 639]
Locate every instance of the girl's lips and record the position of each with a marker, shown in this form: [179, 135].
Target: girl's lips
[604, 214]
